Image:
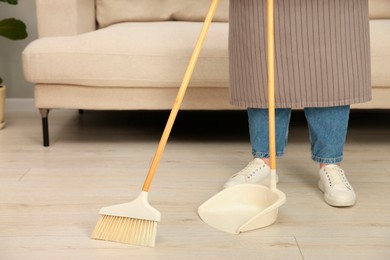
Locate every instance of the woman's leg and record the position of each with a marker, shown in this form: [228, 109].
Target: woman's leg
[258, 131]
[328, 130]
[258, 170]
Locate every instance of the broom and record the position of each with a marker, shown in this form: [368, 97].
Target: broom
[135, 222]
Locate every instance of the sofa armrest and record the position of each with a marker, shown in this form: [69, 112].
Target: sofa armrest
[65, 17]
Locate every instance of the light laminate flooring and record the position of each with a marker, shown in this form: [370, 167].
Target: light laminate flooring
[50, 197]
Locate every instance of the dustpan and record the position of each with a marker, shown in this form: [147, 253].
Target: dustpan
[245, 207]
[242, 208]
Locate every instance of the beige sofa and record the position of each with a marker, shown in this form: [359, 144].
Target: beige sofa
[132, 54]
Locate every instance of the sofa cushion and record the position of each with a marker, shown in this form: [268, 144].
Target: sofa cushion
[130, 55]
[379, 9]
[380, 52]
[110, 12]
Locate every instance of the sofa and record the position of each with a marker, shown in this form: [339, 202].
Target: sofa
[132, 54]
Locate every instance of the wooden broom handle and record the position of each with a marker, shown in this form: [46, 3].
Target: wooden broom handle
[180, 95]
[271, 82]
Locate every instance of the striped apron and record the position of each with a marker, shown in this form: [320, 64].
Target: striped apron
[322, 53]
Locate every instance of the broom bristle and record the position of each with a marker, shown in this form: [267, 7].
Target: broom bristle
[126, 230]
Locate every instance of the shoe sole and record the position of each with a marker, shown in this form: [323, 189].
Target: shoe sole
[333, 202]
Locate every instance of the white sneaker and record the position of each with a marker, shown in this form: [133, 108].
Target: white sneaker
[338, 191]
[255, 172]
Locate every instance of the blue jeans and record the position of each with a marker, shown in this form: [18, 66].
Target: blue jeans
[327, 131]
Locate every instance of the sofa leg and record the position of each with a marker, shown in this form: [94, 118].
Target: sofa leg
[45, 126]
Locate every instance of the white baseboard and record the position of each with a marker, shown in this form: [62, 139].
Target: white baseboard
[20, 105]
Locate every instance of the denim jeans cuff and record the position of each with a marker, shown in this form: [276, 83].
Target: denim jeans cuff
[326, 160]
[266, 155]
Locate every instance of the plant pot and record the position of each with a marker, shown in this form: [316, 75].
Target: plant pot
[2, 106]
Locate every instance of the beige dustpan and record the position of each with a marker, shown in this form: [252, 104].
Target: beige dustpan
[242, 208]
[246, 207]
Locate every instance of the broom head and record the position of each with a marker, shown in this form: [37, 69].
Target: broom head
[132, 223]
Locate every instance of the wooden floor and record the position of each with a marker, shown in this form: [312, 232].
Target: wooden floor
[50, 197]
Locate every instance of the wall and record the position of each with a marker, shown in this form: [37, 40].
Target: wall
[10, 51]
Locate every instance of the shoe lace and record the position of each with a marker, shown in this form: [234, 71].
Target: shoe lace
[335, 175]
[251, 169]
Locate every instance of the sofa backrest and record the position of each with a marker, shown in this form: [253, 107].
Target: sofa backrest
[115, 11]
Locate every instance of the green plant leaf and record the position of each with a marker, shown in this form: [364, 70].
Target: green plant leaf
[13, 29]
[12, 2]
